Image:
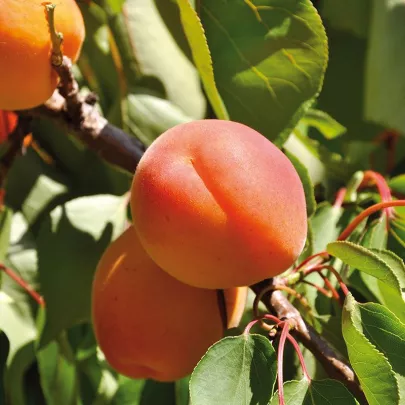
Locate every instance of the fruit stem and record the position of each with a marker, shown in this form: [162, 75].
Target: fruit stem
[280, 355]
[322, 290]
[252, 323]
[38, 298]
[321, 255]
[382, 187]
[300, 356]
[366, 213]
[318, 269]
[56, 37]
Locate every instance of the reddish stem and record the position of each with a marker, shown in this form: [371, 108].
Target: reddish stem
[38, 298]
[366, 213]
[382, 187]
[300, 356]
[320, 255]
[317, 269]
[332, 289]
[280, 354]
[340, 196]
[322, 290]
[252, 323]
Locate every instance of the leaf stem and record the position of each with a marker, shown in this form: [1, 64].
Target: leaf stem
[340, 197]
[318, 269]
[38, 298]
[280, 360]
[366, 213]
[300, 356]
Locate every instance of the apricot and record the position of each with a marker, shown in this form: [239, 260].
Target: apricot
[26, 75]
[147, 323]
[217, 205]
[8, 122]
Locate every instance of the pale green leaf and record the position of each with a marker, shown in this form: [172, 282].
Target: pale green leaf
[236, 370]
[201, 55]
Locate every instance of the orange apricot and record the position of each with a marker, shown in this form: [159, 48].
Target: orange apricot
[147, 323]
[26, 75]
[8, 122]
[217, 205]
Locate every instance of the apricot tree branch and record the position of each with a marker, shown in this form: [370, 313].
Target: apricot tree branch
[77, 113]
[67, 108]
[332, 361]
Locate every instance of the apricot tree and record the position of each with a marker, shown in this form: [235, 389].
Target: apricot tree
[201, 202]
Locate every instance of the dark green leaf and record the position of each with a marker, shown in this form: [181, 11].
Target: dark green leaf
[352, 16]
[372, 368]
[384, 79]
[302, 392]
[70, 242]
[5, 228]
[269, 60]
[236, 370]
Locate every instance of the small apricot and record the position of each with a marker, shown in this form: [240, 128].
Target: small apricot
[217, 205]
[147, 323]
[26, 75]
[8, 122]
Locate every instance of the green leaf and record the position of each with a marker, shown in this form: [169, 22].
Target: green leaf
[70, 243]
[236, 370]
[325, 225]
[158, 393]
[324, 123]
[149, 116]
[376, 237]
[384, 79]
[32, 185]
[344, 78]
[319, 392]
[397, 184]
[387, 333]
[159, 56]
[384, 265]
[365, 260]
[298, 144]
[269, 60]
[129, 391]
[201, 55]
[102, 77]
[348, 15]
[372, 368]
[306, 182]
[17, 323]
[58, 373]
[5, 228]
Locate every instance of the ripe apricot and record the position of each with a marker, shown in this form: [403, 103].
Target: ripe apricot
[26, 75]
[147, 323]
[217, 205]
[8, 122]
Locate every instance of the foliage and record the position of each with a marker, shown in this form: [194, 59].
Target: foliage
[286, 68]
